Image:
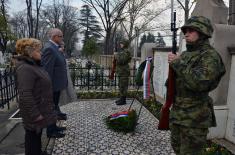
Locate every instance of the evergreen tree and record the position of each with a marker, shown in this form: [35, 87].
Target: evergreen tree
[160, 41]
[5, 30]
[89, 23]
[147, 39]
[90, 47]
[150, 38]
[143, 40]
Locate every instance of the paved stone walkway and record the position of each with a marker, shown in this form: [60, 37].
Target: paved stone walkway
[87, 133]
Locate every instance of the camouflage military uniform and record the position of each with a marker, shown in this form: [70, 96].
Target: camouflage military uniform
[123, 71]
[198, 71]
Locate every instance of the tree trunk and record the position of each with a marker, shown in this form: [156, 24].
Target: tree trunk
[30, 17]
[38, 6]
[231, 20]
[186, 14]
[107, 43]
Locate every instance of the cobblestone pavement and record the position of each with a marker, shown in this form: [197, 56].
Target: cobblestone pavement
[87, 133]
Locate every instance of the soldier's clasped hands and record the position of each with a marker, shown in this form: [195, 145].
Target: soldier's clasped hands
[172, 57]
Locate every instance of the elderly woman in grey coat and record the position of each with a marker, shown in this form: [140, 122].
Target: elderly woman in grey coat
[35, 93]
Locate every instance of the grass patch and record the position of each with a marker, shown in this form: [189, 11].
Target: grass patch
[215, 149]
[97, 95]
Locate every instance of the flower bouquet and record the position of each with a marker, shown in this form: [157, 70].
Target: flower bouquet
[124, 121]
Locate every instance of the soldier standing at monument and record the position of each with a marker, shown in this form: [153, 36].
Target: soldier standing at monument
[123, 58]
[198, 71]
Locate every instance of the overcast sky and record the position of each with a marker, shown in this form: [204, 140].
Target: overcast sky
[19, 5]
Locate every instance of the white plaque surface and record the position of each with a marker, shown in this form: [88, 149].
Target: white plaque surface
[160, 73]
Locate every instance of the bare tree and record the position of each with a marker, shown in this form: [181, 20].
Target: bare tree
[231, 20]
[38, 6]
[70, 27]
[140, 14]
[186, 7]
[33, 26]
[66, 18]
[109, 12]
[30, 17]
[19, 24]
[52, 14]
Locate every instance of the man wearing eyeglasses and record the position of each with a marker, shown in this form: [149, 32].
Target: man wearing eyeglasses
[54, 63]
[198, 71]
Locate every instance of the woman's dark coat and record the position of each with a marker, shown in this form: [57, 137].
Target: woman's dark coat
[35, 94]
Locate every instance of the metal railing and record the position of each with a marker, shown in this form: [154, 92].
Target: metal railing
[8, 89]
[96, 78]
[83, 79]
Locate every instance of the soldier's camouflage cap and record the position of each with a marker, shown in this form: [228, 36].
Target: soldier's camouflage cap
[200, 24]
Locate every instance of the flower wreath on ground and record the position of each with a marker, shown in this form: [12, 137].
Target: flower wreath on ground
[124, 121]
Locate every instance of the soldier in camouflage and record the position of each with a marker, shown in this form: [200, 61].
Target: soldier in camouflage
[123, 58]
[198, 71]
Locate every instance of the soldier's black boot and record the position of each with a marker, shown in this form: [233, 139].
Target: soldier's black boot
[117, 101]
[122, 101]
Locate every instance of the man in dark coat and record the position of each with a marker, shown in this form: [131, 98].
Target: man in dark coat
[54, 63]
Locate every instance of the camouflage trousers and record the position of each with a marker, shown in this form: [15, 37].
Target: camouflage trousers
[123, 85]
[188, 141]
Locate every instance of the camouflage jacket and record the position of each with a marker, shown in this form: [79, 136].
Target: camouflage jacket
[123, 58]
[197, 73]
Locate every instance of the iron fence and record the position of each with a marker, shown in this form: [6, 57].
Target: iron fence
[83, 79]
[97, 78]
[8, 89]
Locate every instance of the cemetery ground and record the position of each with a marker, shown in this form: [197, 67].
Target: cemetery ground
[87, 133]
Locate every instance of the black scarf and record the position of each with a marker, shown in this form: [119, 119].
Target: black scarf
[29, 60]
[197, 45]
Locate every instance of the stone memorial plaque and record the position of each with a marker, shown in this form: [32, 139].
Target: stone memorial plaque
[160, 74]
